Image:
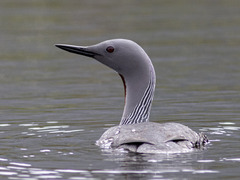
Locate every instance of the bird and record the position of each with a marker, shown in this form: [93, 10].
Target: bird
[136, 133]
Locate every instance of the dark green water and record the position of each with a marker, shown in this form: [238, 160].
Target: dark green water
[55, 105]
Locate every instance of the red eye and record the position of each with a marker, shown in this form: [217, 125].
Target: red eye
[110, 49]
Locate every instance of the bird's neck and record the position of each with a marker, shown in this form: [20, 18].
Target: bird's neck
[139, 92]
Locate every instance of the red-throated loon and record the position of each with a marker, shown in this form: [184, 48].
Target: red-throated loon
[135, 133]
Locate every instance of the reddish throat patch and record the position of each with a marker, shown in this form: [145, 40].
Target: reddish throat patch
[124, 84]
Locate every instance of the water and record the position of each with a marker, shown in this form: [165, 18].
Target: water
[55, 105]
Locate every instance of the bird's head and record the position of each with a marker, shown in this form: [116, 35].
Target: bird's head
[124, 56]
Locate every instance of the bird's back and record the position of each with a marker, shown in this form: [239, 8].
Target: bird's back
[150, 137]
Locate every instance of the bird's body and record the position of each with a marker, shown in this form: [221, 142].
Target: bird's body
[135, 133]
[150, 137]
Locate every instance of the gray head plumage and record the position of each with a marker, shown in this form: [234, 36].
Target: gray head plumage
[134, 66]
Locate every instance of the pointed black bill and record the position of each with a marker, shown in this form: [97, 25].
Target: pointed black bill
[77, 50]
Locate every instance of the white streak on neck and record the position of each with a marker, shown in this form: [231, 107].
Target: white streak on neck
[141, 111]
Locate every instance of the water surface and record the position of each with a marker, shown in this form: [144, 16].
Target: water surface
[55, 105]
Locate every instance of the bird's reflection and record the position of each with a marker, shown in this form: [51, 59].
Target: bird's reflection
[138, 166]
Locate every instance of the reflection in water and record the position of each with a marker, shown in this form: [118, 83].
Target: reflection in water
[155, 165]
